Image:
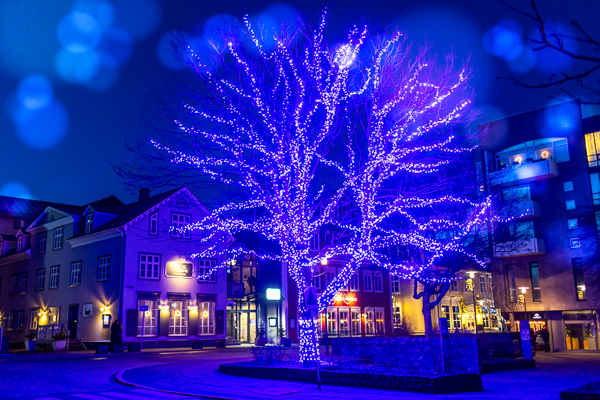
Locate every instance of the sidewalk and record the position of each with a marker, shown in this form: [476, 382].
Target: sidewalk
[555, 372]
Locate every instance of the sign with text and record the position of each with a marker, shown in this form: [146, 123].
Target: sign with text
[526, 340]
[345, 299]
[176, 269]
[310, 298]
[143, 308]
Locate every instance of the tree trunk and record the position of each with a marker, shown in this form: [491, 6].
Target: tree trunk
[309, 350]
[427, 314]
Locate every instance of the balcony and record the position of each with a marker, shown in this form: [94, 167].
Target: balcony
[529, 209]
[235, 290]
[525, 247]
[528, 171]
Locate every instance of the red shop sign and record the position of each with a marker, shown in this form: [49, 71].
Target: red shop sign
[348, 299]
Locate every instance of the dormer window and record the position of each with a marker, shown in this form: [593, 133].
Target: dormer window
[89, 222]
[20, 243]
[154, 224]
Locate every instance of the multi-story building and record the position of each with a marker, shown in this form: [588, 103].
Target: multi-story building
[83, 267]
[545, 263]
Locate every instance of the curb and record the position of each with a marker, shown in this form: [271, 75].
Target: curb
[119, 378]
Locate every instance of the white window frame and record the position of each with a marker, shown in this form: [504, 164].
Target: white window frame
[89, 223]
[54, 315]
[378, 282]
[353, 284]
[178, 324]
[151, 321]
[575, 243]
[206, 318]
[367, 281]
[153, 228]
[369, 321]
[54, 277]
[22, 286]
[20, 243]
[12, 288]
[180, 220]
[355, 321]
[40, 279]
[75, 273]
[58, 237]
[344, 321]
[395, 284]
[149, 266]
[205, 265]
[103, 268]
[42, 237]
[572, 223]
[33, 319]
[379, 320]
[482, 284]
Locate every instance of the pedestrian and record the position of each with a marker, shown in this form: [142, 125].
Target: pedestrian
[116, 333]
[533, 336]
[546, 337]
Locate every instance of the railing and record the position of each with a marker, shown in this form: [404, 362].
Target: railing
[528, 171]
[235, 290]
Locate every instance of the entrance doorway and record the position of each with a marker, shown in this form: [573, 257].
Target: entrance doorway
[73, 314]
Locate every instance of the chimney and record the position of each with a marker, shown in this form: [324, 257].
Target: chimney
[144, 194]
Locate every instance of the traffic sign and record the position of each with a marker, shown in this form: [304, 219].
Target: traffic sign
[310, 298]
[143, 308]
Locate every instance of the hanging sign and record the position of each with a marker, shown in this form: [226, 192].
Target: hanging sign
[177, 269]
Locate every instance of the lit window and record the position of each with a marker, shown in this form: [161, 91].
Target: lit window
[178, 319]
[579, 278]
[54, 274]
[395, 284]
[595, 182]
[58, 237]
[148, 320]
[42, 242]
[535, 282]
[204, 267]
[592, 147]
[154, 224]
[76, 273]
[33, 319]
[89, 223]
[575, 243]
[572, 223]
[180, 221]
[54, 315]
[149, 266]
[455, 317]
[482, 285]
[568, 186]
[206, 318]
[103, 264]
[570, 204]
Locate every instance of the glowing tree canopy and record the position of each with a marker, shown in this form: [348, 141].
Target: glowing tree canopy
[358, 137]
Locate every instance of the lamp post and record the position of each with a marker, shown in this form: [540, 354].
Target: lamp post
[472, 285]
[522, 296]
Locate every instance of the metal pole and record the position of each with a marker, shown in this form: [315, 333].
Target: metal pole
[143, 329]
[475, 307]
[326, 334]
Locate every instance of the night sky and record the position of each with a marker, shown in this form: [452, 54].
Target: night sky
[78, 78]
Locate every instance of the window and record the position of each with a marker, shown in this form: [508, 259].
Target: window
[329, 276]
[33, 319]
[54, 315]
[579, 278]
[204, 267]
[314, 242]
[575, 243]
[180, 221]
[154, 224]
[317, 278]
[206, 318]
[344, 325]
[378, 281]
[379, 321]
[369, 323]
[595, 182]
[41, 244]
[12, 289]
[482, 285]
[535, 282]
[456, 317]
[397, 316]
[89, 223]
[103, 264]
[445, 311]
[528, 152]
[76, 273]
[54, 271]
[368, 282]
[572, 223]
[58, 237]
[149, 266]
[592, 147]
[355, 323]
[354, 287]
[454, 286]
[9, 321]
[512, 286]
[19, 319]
[395, 284]
[568, 186]
[22, 283]
[148, 320]
[570, 204]
[40, 279]
[20, 243]
[178, 318]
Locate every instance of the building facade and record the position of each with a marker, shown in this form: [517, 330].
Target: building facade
[83, 267]
[548, 275]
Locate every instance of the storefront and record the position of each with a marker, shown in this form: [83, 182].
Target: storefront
[580, 330]
[345, 317]
[242, 323]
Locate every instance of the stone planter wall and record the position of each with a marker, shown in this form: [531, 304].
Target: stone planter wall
[438, 385]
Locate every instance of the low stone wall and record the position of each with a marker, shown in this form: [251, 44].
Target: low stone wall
[591, 391]
[437, 385]
[413, 355]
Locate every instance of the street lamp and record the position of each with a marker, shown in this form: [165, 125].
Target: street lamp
[470, 286]
[522, 296]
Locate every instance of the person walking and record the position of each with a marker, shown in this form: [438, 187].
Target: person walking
[116, 333]
[545, 334]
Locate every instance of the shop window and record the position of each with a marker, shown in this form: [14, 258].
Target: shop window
[204, 267]
[378, 281]
[395, 284]
[332, 328]
[579, 278]
[41, 242]
[379, 321]
[206, 318]
[572, 223]
[570, 204]
[595, 183]
[153, 230]
[568, 186]
[512, 286]
[344, 325]
[180, 221]
[536, 292]
[178, 318]
[149, 266]
[148, 320]
[54, 315]
[368, 281]
[455, 317]
[592, 147]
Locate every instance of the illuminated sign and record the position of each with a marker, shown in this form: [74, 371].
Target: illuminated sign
[537, 316]
[349, 299]
[177, 269]
[105, 320]
[273, 294]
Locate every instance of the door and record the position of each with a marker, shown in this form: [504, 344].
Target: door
[244, 327]
[73, 314]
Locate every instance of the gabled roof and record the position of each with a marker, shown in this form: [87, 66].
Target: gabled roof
[8, 238]
[62, 210]
[17, 208]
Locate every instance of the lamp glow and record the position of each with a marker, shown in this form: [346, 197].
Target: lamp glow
[273, 294]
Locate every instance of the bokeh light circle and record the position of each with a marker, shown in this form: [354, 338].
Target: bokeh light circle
[43, 128]
[165, 52]
[77, 67]
[34, 92]
[79, 32]
[15, 189]
[101, 10]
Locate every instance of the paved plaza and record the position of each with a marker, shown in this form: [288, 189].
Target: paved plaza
[186, 373]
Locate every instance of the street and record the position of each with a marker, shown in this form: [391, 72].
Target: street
[194, 372]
